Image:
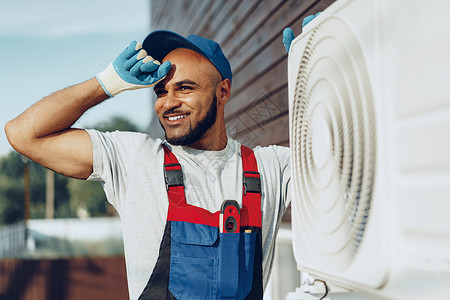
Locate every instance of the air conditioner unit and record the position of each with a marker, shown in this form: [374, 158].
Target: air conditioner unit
[369, 101]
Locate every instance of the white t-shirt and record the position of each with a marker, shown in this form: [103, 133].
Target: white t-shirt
[130, 167]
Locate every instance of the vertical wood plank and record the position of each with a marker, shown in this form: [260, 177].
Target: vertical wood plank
[202, 13]
[238, 18]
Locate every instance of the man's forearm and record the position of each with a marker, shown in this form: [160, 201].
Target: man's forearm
[43, 134]
[54, 113]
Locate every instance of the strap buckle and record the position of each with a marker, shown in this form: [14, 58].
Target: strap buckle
[252, 184]
[173, 177]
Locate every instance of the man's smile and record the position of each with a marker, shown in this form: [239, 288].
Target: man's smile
[174, 118]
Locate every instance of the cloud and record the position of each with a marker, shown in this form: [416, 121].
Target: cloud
[57, 18]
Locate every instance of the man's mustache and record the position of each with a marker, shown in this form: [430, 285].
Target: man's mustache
[173, 111]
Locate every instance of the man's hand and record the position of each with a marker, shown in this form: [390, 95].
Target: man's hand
[132, 69]
[288, 33]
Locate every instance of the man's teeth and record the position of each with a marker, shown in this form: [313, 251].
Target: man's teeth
[176, 117]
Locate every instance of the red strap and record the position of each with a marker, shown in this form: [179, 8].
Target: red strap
[179, 210]
[251, 201]
[169, 157]
[248, 160]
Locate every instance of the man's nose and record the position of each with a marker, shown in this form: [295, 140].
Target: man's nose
[171, 100]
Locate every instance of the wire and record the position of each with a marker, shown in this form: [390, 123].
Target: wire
[326, 288]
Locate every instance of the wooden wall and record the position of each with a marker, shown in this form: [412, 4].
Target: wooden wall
[68, 279]
[250, 34]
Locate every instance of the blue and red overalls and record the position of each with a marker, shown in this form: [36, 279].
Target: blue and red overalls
[195, 260]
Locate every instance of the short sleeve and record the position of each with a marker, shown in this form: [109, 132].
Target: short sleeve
[283, 154]
[113, 153]
[274, 161]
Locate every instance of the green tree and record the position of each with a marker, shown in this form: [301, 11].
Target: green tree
[117, 123]
[11, 189]
[71, 195]
[12, 167]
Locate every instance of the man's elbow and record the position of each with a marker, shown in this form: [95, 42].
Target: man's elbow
[15, 138]
[9, 132]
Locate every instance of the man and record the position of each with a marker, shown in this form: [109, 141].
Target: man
[173, 196]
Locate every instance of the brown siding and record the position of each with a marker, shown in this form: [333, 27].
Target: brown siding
[69, 279]
[250, 33]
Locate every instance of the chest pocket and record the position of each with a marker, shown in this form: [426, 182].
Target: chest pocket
[206, 264]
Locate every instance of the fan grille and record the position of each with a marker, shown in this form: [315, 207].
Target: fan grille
[333, 144]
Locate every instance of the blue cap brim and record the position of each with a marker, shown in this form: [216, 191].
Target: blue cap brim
[160, 42]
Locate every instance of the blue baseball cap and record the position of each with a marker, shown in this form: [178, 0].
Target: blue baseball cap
[160, 42]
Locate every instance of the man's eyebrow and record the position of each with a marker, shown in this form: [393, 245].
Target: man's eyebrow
[186, 81]
[178, 83]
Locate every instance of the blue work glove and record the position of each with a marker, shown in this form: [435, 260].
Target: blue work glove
[288, 33]
[132, 69]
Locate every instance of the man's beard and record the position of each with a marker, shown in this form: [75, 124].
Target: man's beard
[199, 130]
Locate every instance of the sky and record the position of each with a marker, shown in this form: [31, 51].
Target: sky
[48, 45]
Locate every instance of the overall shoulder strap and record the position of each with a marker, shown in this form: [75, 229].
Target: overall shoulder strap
[179, 210]
[251, 198]
[173, 177]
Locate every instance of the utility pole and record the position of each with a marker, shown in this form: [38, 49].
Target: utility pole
[26, 196]
[50, 195]
[26, 189]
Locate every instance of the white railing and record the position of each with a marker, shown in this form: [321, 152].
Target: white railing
[12, 239]
[285, 276]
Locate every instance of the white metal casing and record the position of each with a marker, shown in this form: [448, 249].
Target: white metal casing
[404, 252]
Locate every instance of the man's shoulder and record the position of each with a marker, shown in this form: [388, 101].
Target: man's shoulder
[124, 139]
[272, 149]
[272, 154]
[269, 150]
[123, 135]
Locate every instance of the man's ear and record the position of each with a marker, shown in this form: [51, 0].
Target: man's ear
[223, 91]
